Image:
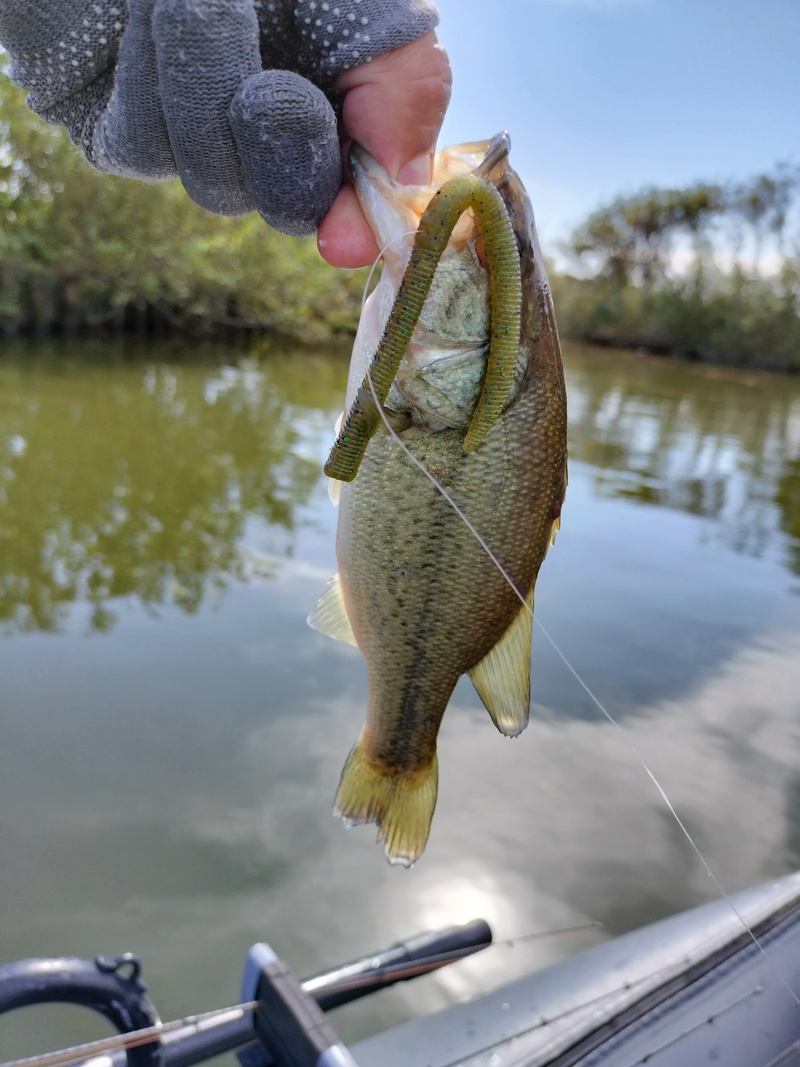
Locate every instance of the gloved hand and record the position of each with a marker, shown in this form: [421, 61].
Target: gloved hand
[232, 96]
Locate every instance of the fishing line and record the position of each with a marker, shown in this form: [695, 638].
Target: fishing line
[701, 1024]
[525, 1061]
[78, 1054]
[595, 700]
[579, 928]
[548, 1020]
[383, 251]
[81, 1054]
[785, 1056]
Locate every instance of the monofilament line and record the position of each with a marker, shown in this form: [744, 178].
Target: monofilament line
[595, 700]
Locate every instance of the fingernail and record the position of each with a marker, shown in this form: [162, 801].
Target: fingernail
[418, 172]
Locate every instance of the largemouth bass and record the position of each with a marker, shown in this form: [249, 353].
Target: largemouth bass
[416, 591]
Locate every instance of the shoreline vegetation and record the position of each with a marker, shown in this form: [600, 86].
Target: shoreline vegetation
[83, 252]
[710, 272]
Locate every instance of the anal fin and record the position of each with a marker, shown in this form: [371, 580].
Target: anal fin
[503, 677]
[330, 614]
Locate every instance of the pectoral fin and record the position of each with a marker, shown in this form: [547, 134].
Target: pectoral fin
[334, 491]
[503, 677]
[330, 615]
[554, 530]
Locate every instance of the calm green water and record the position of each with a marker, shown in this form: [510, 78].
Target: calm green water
[171, 732]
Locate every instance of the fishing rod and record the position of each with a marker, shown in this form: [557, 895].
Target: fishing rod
[279, 1021]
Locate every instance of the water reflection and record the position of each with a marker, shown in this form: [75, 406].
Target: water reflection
[707, 441]
[235, 843]
[788, 500]
[167, 789]
[137, 478]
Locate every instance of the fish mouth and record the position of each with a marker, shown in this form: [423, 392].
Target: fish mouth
[494, 164]
[474, 202]
[485, 159]
[393, 210]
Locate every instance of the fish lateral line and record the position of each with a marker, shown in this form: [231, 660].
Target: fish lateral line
[436, 225]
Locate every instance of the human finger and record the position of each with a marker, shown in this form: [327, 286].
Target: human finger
[345, 239]
[393, 107]
[130, 135]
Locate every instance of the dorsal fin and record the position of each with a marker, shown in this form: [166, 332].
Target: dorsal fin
[503, 677]
[330, 614]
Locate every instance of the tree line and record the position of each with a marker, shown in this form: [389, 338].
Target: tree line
[711, 271]
[86, 251]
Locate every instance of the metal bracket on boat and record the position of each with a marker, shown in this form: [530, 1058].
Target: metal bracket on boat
[289, 1023]
[111, 987]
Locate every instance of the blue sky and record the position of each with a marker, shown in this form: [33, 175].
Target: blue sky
[603, 97]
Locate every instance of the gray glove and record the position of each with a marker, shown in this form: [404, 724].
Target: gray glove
[232, 96]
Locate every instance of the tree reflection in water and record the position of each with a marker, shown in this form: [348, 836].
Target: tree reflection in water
[126, 477]
[788, 500]
[132, 471]
[720, 444]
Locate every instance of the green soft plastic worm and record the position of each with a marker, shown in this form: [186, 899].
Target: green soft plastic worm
[505, 293]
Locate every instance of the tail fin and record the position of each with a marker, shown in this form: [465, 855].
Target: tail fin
[401, 805]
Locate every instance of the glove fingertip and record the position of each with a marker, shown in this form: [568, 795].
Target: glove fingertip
[288, 143]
